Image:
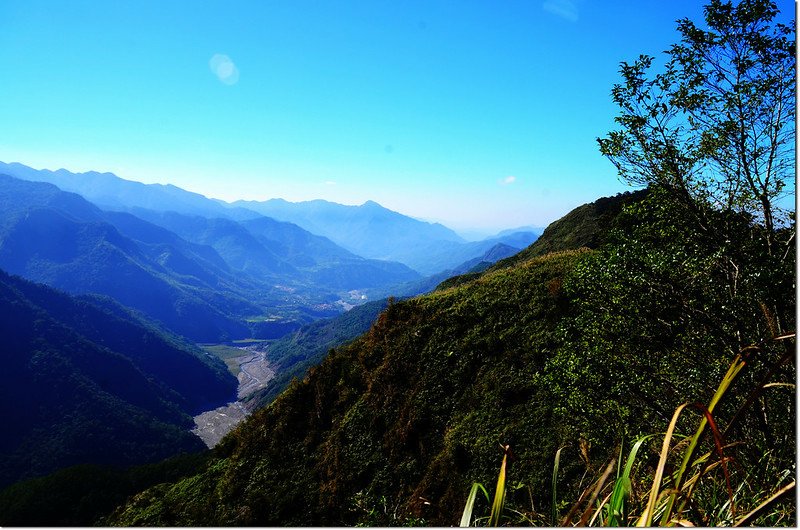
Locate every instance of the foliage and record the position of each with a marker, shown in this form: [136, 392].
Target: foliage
[82, 495]
[84, 382]
[412, 412]
[717, 125]
[687, 487]
[656, 299]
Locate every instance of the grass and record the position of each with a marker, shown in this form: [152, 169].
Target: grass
[466, 517]
[500, 491]
[554, 506]
[228, 355]
[618, 504]
[685, 489]
[499, 494]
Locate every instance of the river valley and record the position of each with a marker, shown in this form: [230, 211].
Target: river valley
[254, 374]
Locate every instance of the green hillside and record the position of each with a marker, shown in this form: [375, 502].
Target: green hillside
[585, 226]
[582, 350]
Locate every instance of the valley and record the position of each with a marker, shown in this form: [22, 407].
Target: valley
[253, 371]
[196, 271]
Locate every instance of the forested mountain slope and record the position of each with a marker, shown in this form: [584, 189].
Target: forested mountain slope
[296, 353]
[60, 239]
[281, 252]
[83, 381]
[395, 427]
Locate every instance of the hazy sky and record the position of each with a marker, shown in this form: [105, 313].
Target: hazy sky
[479, 114]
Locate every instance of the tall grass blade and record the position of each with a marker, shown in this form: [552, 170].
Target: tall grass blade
[554, 507]
[618, 507]
[595, 492]
[466, 517]
[599, 511]
[733, 370]
[720, 451]
[647, 516]
[748, 519]
[500, 491]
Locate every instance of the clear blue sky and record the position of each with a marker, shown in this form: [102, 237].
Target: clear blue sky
[479, 114]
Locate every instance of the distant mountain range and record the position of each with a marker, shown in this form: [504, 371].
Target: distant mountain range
[60, 239]
[213, 271]
[372, 231]
[84, 381]
[110, 192]
[369, 231]
[206, 278]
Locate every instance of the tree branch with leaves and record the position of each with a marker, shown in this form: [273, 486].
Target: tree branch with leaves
[716, 126]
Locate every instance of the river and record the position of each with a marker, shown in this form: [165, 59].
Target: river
[254, 374]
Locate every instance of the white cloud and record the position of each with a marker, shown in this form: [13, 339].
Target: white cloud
[565, 9]
[330, 183]
[225, 70]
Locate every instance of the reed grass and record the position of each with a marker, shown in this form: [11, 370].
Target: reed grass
[672, 495]
[500, 491]
[554, 506]
[618, 503]
[466, 517]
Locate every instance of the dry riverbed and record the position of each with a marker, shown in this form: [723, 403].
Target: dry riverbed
[254, 374]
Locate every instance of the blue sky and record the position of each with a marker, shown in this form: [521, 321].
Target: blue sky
[482, 115]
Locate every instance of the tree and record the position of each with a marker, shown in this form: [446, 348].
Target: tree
[716, 127]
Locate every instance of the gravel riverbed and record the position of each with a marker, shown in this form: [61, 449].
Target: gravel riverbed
[212, 425]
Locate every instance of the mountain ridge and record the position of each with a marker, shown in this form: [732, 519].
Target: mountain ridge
[414, 396]
[221, 271]
[368, 230]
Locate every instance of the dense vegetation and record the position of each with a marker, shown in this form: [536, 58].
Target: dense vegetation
[294, 354]
[395, 427]
[82, 495]
[84, 381]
